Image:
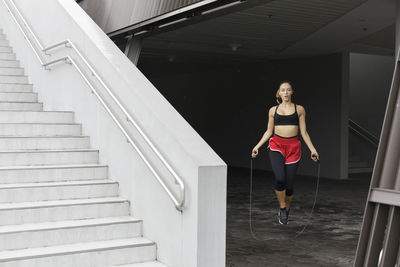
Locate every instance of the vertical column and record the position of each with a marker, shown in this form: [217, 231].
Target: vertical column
[397, 27]
[391, 242]
[344, 117]
[398, 257]
[133, 49]
[392, 153]
[397, 183]
[376, 235]
[364, 234]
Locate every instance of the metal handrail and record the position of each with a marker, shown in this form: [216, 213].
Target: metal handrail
[363, 133]
[179, 205]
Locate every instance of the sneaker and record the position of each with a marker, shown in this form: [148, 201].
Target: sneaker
[282, 216]
[287, 214]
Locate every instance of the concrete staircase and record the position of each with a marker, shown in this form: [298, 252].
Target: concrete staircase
[57, 205]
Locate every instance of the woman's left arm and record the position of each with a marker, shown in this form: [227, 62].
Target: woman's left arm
[303, 132]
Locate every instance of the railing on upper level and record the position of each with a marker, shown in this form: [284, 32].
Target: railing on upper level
[363, 133]
[179, 204]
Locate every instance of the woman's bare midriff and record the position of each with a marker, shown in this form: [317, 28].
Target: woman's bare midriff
[286, 130]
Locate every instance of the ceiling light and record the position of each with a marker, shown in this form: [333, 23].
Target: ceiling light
[172, 22]
[235, 46]
[171, 58]
[139, 33]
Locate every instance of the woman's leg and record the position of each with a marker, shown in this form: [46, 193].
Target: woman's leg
[278, 167]
[288, 201]
[291, 170]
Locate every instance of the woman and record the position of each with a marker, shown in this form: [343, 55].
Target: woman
[284, 146]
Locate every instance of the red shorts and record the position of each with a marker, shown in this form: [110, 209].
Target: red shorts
[289, 147]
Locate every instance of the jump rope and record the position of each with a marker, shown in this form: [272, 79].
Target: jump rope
[250, 208]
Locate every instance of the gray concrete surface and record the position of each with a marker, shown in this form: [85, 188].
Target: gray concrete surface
[329, 240]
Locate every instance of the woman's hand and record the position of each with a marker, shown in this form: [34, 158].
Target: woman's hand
[314, 156]
[254, 153]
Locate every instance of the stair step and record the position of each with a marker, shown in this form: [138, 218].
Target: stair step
[97, 253]
[143, 264]
[40, 129]
[57, 205]
[43, 142]
[360, 170]
[21, 106]
[68, 232]
[15, 71]
[36, 117]
[58, 210]
[17, 88]
[18, 97]
[32, 174]
[24, 192]
[358, 164]
[4, 42]
[9, 63]
[13, 78]
[11, 71]
[5, 49]
[7, 56]
[48, 157]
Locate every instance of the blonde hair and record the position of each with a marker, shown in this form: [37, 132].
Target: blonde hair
[278, 97]
[277, 92]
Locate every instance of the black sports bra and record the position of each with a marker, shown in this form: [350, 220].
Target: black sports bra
[292, 119]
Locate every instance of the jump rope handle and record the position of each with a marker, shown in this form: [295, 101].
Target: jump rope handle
[313, 156]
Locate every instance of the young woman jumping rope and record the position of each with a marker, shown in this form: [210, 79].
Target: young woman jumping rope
[284, 146]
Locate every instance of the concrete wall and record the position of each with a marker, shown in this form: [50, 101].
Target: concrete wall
[228, 103]
[370, 80]
[183, 239]
[113, 15]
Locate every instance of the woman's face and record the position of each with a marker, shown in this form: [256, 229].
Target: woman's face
[285, 91]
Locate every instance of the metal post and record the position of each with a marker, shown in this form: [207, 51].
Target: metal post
[133, 49]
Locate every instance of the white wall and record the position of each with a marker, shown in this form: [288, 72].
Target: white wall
[186, 239]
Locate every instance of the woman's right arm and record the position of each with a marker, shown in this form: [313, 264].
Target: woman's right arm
[268, 132]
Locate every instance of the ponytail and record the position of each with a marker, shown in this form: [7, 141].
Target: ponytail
[278, 97]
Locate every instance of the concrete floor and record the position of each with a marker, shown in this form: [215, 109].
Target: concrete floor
[330, 239]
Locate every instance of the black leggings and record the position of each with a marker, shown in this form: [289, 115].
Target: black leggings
[284, 173]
